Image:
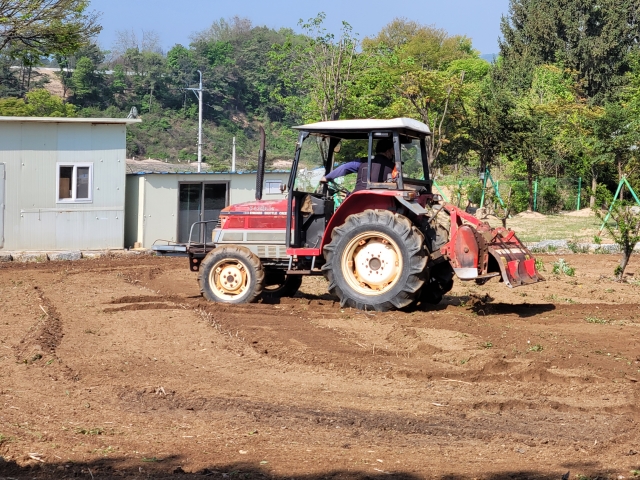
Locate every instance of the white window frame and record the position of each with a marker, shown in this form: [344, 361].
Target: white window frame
[268, 192]
[74, 182]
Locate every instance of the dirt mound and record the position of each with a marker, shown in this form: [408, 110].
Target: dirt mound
[530, 215]
[585, 212]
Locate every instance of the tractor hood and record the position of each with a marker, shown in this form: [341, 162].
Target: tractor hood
[257, 207]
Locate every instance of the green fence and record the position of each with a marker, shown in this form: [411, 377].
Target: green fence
[550, 195]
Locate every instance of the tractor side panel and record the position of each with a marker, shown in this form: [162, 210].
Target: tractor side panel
[356, 203]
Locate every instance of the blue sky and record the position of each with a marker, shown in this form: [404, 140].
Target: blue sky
[174, 21]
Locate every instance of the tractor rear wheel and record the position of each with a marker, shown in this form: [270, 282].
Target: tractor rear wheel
[375, 261]
[231, 274]
[281, 285]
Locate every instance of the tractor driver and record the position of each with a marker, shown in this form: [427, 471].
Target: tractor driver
[382, 166]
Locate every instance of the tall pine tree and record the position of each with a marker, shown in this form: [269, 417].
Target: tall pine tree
[591, 37]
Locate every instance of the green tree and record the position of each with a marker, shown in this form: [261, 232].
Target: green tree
[37, 103]
[46, 26]
[625, 232]
[85, 81]
[329, 67]
[486, 123]
[591, 37]
[419, 71]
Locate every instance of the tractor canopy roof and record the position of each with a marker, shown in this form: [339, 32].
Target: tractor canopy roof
[362, 128]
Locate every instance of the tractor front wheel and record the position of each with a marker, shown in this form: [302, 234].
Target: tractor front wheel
[375, 261]
[441, 282]
[231, 274]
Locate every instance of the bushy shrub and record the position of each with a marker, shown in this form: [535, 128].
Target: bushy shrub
[474, 193]
[519, 197]
[603, 195]
[551, 199]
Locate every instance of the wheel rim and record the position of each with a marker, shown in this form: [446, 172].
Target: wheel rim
[229, 279]
[372, 263]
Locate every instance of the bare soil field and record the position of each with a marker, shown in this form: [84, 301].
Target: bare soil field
[118, 368]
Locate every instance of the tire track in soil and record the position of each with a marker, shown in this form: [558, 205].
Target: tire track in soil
[286, 332]
[39, 345]
[142, 306]
[559, 427]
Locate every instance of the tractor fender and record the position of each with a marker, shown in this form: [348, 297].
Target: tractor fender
[358, 202]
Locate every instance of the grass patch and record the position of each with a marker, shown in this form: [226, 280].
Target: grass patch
[563, 267]
[594, 319]
[575, 248]
[553, 227]
[536, 348]
[90, 431]
[105, 451]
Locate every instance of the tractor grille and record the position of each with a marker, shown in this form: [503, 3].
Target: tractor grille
[271, 251]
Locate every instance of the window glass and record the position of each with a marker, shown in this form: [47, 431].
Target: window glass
[349, 150]
[272, 187]
[65, 182]
[82, 190]
[311, 165]
[412, 160]
[74, 183]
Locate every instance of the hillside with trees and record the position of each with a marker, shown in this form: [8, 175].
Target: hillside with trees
[561, 100]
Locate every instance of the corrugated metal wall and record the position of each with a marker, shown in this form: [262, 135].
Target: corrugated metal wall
[157, 200]
[33, 218]
[2, 182]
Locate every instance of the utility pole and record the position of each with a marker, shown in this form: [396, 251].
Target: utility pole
[233, 156]
[198, 93]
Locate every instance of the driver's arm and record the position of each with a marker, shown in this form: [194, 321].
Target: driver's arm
[342, 170]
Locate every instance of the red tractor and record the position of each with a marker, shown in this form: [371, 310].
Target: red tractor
[389, 244]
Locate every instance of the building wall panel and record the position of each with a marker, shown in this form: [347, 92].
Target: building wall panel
[34, 219]
[160, 212]
[1, 204]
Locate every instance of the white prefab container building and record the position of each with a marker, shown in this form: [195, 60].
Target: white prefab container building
[163, 204]
[62, 183]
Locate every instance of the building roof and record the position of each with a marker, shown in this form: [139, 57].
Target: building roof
[148, 167]
[363, 125]
[106, 121]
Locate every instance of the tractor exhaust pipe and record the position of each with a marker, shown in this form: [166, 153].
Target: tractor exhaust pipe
[261, 160]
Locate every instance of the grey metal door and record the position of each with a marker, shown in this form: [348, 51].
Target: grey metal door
[2, 181]
[199, 202]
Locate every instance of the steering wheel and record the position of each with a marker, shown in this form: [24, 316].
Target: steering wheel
[338, 188]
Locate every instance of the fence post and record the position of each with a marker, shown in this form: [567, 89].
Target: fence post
[484, 186]
[635, 197]
[535, 195]
[579, 191]
[441, 192]
[615, 199]
[459, 192]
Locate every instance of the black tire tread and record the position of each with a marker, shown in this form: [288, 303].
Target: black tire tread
[289, 288]
[412, 241]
